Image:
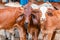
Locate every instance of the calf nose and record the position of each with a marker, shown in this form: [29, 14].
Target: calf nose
[26, 25]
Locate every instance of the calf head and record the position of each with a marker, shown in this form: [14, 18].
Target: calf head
[27, 16]
[24, 18]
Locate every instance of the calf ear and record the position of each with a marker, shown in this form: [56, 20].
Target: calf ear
[19, 19]
[21, 10]
[33, 15]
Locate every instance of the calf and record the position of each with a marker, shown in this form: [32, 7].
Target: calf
[52, 23]
[34, 26]
[24, 23]
[8, 16]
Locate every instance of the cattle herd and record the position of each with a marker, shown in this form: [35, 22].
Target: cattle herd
[32, 19]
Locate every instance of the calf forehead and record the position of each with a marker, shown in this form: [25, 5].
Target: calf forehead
[27, 11]
[43, 9]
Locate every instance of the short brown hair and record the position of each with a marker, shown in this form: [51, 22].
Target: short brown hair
[30, 0]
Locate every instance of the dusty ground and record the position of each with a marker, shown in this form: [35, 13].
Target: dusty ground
[57, 37]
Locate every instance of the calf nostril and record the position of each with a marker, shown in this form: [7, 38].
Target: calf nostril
[26, 23]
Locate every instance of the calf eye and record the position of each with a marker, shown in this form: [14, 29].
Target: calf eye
[50, 14]
[22, 15]
[33, 16]
[25, 8]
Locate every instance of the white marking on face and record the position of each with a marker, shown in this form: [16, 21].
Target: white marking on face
[34, 6]
[43, 9]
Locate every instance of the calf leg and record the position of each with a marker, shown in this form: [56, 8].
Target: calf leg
[35, 34]
[49, 35]
[22, 33]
